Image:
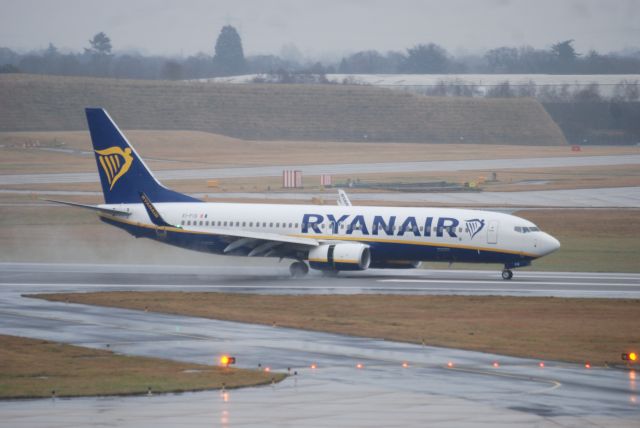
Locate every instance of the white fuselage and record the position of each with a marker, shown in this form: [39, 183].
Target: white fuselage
[444, 228]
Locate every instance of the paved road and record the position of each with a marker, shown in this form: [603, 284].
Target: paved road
[275, 280]
[353, 168]
[428, 392]
[620, 197]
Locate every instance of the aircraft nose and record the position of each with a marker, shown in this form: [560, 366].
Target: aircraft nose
[549, 244]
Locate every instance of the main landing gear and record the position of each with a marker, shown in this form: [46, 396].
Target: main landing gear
[298, 269]
[507, 274]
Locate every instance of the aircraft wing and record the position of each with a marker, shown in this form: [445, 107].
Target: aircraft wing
[253, 244]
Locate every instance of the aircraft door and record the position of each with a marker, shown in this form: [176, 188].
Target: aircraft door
[492, 232]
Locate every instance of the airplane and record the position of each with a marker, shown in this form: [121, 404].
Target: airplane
[325, 238]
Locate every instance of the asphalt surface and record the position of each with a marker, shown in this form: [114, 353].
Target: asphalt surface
[621, 197]
[351, 168]
[472, 392]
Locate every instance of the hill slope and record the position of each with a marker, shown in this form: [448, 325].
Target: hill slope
[266, 112]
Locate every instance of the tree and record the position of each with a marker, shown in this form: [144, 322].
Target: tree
[172, 70]
[564, 56]
[100, 45]
[9, 68]
[99, 53]
[564, 51]
[229, 57]
[501, 90]
[502, 60]
[429, 58]
[367, 62]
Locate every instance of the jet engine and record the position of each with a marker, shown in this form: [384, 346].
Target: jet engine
[335, 257]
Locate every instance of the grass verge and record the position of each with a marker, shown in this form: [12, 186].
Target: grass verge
[34, 368]
[574, 330]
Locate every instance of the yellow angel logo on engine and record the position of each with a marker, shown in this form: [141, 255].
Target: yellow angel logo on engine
[115, 163]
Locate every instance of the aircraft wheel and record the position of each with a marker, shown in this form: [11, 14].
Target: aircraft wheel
[507, 274]
[298, 269]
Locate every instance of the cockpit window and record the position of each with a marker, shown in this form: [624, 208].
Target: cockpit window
[524, 229]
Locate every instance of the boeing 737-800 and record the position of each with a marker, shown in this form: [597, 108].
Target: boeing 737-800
[327, 238]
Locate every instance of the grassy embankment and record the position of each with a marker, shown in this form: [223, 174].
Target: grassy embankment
[274, 112]
[34, 368]
[574, 330]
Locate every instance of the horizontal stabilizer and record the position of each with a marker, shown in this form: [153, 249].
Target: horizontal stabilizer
[102, 210]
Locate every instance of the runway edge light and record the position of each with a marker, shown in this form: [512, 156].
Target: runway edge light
[629, 356]
[227, 360]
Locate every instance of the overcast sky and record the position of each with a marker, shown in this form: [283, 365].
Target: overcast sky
[320, 28]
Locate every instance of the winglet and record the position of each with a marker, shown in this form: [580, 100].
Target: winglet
[343, 199]
[154, 215]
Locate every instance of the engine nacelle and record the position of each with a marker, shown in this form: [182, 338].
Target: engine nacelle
[340, 257]
[395, 264]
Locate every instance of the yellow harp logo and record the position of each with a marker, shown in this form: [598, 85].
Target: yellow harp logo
[115, 163]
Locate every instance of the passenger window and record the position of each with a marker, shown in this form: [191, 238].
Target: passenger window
[182, 222]
[270, 224]
[296, 225]
[250, 224]
[200, 222]
[225, 223]
[290, 225]
[264, 224]
[244, 224]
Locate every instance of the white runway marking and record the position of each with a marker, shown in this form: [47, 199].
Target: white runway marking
[481, 282]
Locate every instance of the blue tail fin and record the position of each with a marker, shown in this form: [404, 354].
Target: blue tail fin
[123, 173]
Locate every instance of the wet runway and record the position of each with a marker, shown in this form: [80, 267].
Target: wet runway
[349, 168]
[472, 392]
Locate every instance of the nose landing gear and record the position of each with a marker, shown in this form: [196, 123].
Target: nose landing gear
[507, 274]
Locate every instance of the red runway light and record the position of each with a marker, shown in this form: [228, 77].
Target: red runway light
[314, 366]
[405, 364]
[267, 369]
[541, 364]
[449, 364]
[587, 366]
[359, 366]
[495, 364]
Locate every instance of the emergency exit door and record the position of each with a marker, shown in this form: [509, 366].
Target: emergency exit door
[492, 232]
